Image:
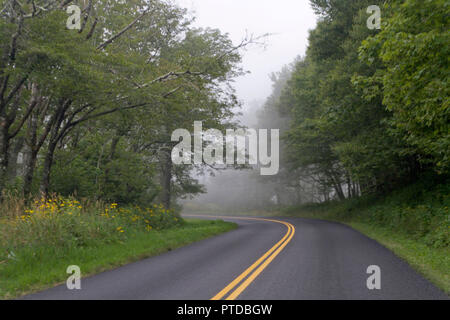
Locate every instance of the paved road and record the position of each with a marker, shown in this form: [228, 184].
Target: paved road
[322, 260]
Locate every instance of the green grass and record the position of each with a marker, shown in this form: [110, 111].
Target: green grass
[38, 268]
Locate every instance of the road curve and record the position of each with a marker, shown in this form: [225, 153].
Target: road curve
[264, 259]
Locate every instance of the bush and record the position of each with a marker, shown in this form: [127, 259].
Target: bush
[420, 211]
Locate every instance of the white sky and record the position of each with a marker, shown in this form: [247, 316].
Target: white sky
[288, 20]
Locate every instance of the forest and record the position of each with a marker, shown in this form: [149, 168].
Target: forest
[90, 112]
[366, 111]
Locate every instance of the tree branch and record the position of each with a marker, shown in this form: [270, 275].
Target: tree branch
[110, 40]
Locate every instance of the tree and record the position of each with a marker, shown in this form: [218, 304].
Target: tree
[413, 48]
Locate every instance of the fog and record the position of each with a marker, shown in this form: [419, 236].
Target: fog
[288, 23]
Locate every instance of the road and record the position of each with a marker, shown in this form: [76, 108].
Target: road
[267, 259]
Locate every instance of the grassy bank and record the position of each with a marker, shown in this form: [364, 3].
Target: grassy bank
[37, 245]
[35, 269]
[413, 222]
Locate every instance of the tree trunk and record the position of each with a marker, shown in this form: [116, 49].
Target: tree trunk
[14, 150]
[58, 133]
[350, 193]
[337, 187]
[165, 161]
[112, 154]
[4, 152]
[29, 166]
[45, 183]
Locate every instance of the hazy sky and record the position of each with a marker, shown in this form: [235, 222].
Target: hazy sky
[288, 20]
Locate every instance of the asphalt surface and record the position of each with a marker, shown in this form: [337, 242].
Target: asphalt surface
[323, 260]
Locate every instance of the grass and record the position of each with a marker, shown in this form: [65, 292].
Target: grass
[39, 267]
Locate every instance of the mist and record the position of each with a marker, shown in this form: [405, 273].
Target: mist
[288, 23]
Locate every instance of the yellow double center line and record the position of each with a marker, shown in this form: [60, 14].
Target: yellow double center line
[252, 272]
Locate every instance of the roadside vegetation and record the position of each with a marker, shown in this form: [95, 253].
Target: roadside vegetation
[40, 242]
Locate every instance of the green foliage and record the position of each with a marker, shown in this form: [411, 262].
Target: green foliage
[94, 107]
[369, 108]
[89, 171]
[414, 49]
[419, 211]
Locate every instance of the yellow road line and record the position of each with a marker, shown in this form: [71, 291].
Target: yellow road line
[255, 274]
[270, 255]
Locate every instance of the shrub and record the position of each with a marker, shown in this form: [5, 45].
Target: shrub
[419, 211]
